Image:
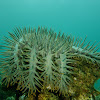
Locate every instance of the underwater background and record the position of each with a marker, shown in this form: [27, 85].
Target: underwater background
[80, 18]
[77, 17]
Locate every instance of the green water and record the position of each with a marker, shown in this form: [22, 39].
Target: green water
[77, 17]
[97, 85]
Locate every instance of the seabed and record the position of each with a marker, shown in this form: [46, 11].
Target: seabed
[81, 87]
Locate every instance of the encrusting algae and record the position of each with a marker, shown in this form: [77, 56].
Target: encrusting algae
[83, 80]
[38, 61]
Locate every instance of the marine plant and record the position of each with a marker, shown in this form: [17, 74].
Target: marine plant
[40, 59]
